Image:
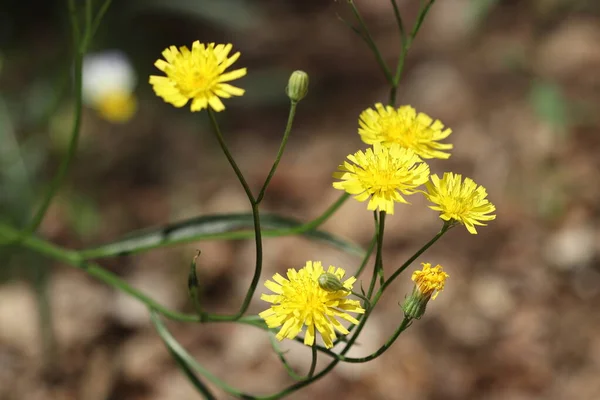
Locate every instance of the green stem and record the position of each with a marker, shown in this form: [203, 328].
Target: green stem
[313, 364]
[406, 44]
[378, 267]
[286, 134]
[255, 217]
[74, 259]
[441, 233]
[99, 16]
[175, 348]
[225, 149]
[398, 20]
[401, 328]
[366, 257]
[72, 149]
[371, 43]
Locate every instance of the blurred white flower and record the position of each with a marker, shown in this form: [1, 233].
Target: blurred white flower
[108, 83]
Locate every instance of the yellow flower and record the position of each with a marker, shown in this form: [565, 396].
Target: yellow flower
[382, 174]
[117, 106]
[429, 282]
[107, 85]
[197, 75]
[300, 301]
[459, 201]
[404, 126]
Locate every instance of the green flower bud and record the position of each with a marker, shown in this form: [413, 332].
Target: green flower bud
[330, 282]
[297, 87]
[414, 305]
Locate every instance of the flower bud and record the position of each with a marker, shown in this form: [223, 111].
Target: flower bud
[429, 282]
[297, 87]
[330, 282]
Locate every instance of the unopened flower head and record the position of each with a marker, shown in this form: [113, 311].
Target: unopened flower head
[406, 127]
[297, 87]
[460, 201]
[382, 174]
[429, 282]
[197, 75]
[299, 300]
[107, 85]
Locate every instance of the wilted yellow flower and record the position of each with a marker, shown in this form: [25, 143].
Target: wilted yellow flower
[382, 174]
[300, 301]
[459, 201]
[405, 127]
[429, 282]
[197, 75]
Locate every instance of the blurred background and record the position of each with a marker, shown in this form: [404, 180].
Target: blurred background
[517, 81]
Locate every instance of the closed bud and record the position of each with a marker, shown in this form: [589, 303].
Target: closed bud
[297, 87]
[330, 282]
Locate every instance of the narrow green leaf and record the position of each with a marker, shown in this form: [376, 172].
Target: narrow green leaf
[214, 227]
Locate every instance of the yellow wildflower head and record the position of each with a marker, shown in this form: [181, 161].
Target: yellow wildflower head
[429, 282]
[108, 82]
[197, 75]
[459, 201]
[382, 174]
[299, 300]
[405, 127]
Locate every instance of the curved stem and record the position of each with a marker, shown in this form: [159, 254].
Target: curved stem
[396, 273]
[79, 49]
[225, 149]
[313, 364]
[406, 44]
[366, 257]
[255, 218]
[401, 328]
[286, 135]
[371, 43]
[74, 259]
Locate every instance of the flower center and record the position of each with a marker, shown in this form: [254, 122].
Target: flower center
[401, 130]
[194, 75]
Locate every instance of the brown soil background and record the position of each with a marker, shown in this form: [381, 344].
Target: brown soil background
[517, 320]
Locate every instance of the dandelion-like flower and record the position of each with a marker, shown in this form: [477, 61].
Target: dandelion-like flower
[429, 282]
[382, 174]
[108, 80]
[404, 126]
[299, 300]
[459, 201]
[197, 75]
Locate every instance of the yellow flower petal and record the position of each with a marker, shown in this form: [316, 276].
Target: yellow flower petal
[300, 301]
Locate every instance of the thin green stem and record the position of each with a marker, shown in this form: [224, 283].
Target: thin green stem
[74, 259]
[182, 355]
[40, 283]
[255, 218]
[313, 363]
[99, 16]
[225, 149]
[72, 149]
[286, 135]
[396, 273]
[398, 20]
[406, 44]
[401, 328]
[286, 365]
[371, 43]
[379, 255]
[365, 260]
